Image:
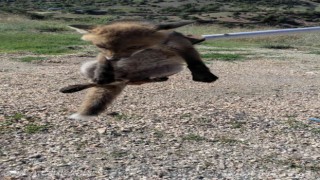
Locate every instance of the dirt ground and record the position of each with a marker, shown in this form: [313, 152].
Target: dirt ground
[253, 123]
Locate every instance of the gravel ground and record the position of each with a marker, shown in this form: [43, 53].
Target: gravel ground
[251, 124]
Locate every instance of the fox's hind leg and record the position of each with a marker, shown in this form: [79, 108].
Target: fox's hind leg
[184, 46]
[100, 72]
[104, 73]
[97, 100]
[200, 72]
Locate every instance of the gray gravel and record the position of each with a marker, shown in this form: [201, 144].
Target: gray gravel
[251, 124]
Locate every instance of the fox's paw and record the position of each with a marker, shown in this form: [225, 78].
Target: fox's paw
[77, 116]
[204, 77]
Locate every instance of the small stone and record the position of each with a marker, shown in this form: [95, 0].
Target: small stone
[310, 73]
[36, 156]
[36, 168]
[62, 165]
[102, 130]
[126, 130]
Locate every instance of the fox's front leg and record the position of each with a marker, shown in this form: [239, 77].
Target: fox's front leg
[104, 72]
[183, 45]
[200, 72]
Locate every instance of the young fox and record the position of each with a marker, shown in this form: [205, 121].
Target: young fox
[152, 64]
[134, 53]
[123, 38]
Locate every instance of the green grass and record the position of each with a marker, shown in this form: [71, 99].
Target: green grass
[315, 52]
[12, 123]
[186, 115]
[295, 124]
[223, 57]
[16, 116]
[274, 42]
[121, 116]
[277, 46]
[19, 34]
[39, 43]
[50, 37]
[14, 23]
[158, 134]
[237, 124]
[228, 43]
[52, 28]
[30, 58]
[193, 137]
[119, 154]
[10, 120]
[34, 128]
[222, 49]
[226, 140]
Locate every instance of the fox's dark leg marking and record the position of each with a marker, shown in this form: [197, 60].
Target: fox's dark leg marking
[104, 73]
[200, 72]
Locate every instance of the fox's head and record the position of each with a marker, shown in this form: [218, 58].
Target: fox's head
[121, 39]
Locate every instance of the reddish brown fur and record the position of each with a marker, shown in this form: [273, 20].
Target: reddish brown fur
[122, 39]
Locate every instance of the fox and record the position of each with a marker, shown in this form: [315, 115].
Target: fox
[134, 53]
[154, 64]
[120, 39]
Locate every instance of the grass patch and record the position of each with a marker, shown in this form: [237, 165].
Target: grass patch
[158, 134]
[222, 49]
[18, 122]
[6, 125]
[30, 59]
[51, 28]
[295, 124]
[120, 116]
[228, 44]
[292, 163]
[277, 46]
[19, 34]
[119, 154]
[34, 128]
[223, 57]
[226, 140]
[39, 43]
[16, 116]
[237, 124]
[315, 130]
[193, 137]
[204, 120]
[22, 24]
[315, 52]
[186, 115]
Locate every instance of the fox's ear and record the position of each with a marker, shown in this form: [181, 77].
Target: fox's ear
[82, 29]
[166, 26]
